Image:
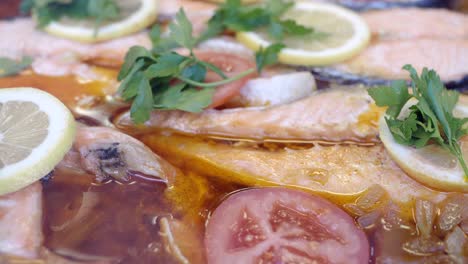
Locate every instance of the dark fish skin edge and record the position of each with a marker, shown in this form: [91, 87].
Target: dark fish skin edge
[47, 178]
[382, 4]
[329, 75]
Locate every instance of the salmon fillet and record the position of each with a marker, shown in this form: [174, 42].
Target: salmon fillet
[333, 115]
[412, 23]
[24, 39]
[385, 59]
[21, 222]
[334, 170]
[433, 38]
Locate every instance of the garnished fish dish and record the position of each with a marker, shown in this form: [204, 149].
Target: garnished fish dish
[233, 131]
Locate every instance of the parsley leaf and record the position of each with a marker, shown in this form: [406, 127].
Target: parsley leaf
[268, 56]
[47, 11]
[11, 67]
[394, 96]
[101, 11]
[429, 119]
[160, 43]
[185, 98]
[233, 16]
[163, 79]
[143, 103]
[181, 31]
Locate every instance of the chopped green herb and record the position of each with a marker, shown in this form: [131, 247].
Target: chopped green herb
[11, 67]
[430, 120]
[101, 11]
[47, 11]
[268, 56]
[162, 79]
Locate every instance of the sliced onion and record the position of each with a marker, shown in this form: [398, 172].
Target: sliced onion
[424, 214]
[421, 246]
[90, 200]
[354, 209]
[455, 243]
[61, 256]
[374, 197]
[464, 226]
[451, 212]
[369, 220]
[170, 242]
[393, 218]
[437, 259]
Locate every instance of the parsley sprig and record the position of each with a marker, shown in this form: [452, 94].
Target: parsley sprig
[163, 79]
[234, 16]
[10, 67]
[430, 120]
[47, 11]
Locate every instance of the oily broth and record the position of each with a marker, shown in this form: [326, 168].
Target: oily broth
[122, 221]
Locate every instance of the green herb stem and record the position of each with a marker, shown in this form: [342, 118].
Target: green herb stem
[216, 84]
[460, 158]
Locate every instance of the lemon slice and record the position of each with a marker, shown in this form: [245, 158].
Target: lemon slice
[431, 165]
[135, 16]
[345, 35]
[36, 130]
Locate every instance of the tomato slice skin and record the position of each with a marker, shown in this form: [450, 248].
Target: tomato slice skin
[281, 225]
[231, 65]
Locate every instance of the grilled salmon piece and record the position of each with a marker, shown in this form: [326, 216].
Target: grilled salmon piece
[416, 23]
[432, 38]
[25, 39]
[338, 169]
[332, 115]
[385, 59]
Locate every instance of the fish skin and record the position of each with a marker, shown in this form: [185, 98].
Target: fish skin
[331, 115]
[21, 222]
[334, 170]
[361, 5]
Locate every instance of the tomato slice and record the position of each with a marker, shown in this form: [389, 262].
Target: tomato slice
[231, 65]
[280, 225]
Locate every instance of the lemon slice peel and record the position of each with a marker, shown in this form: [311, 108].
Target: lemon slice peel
[51, 150]
[435, 167]
[143, 17]
[350, 48]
